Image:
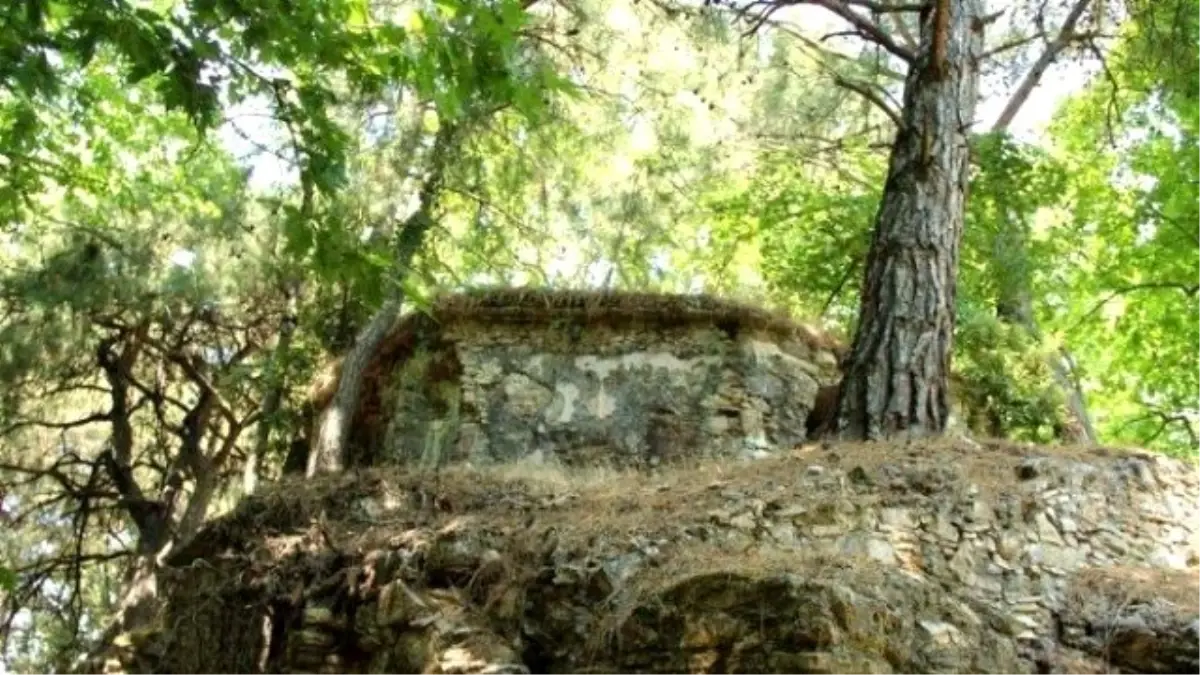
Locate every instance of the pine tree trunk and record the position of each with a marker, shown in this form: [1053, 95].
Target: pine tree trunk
[896, 374]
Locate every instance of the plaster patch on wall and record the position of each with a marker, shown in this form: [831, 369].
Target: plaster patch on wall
[489, 372]
[563, 409]
[537, 366]
[602, 405]
[525, 395]
[603, 367]
[630, 396]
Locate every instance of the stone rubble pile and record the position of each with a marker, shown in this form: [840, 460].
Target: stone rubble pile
[832, 564]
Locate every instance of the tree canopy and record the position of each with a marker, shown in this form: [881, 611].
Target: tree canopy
[203, 202]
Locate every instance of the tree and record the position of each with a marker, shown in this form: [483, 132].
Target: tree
[895, 376]
[122, 419]
[328, 453]
[172, 354]
[693, 162]
[489, 87]
[1015, 302]
[1129, 142]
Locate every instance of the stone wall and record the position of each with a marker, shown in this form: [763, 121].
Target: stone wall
[1012, 540]
[600, 386]
[923, 557]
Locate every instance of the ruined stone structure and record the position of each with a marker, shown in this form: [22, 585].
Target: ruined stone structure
[517, 555]
[590, 378]
[929, 557]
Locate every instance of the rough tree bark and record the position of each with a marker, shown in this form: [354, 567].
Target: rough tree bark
[328, 452]
[896, 374]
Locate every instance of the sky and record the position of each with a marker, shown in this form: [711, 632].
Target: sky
[251, 126]
[251, 120]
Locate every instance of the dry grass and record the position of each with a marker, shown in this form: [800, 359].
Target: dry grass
[585, 503]
[283, 538]
[621, 308]
[1102, 596]
[1139, 585]
[604, 494]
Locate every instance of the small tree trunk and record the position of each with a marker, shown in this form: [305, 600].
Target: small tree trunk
[896, 374]
[276, 381]
[328, 452]
[1015, 307]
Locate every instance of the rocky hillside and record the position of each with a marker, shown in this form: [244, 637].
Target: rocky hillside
[923, 557]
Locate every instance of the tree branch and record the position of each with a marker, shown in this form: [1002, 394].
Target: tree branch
[910, 41]
[1178, 225]
[1011, 44]
[844, 9]
[861, 90]
[47, 424]
[193, 373]
[1066, 35]
[865, 27]
[884, 8]
[1155, 285]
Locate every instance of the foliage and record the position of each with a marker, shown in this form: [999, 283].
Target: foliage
[142, 282]
[305, 59]
[108, 347]
[614, 143]
[1130, 209]
[1037, 216]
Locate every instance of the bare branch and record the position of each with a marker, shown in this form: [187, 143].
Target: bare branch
[861, 89]
[1111, 111]
[910, 41]
[867, 28]
[1156, 285]
[47, 565]
[816, 47]
[1012, 44]
[1165, 420]
[1066, 35]
[851, 269]
[884, 8]
[48, 424]
[193, 373]
[759, 12]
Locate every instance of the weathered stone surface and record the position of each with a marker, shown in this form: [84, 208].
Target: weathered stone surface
[628, 399]
[844, 620]
[493, 375]
[944, 560]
